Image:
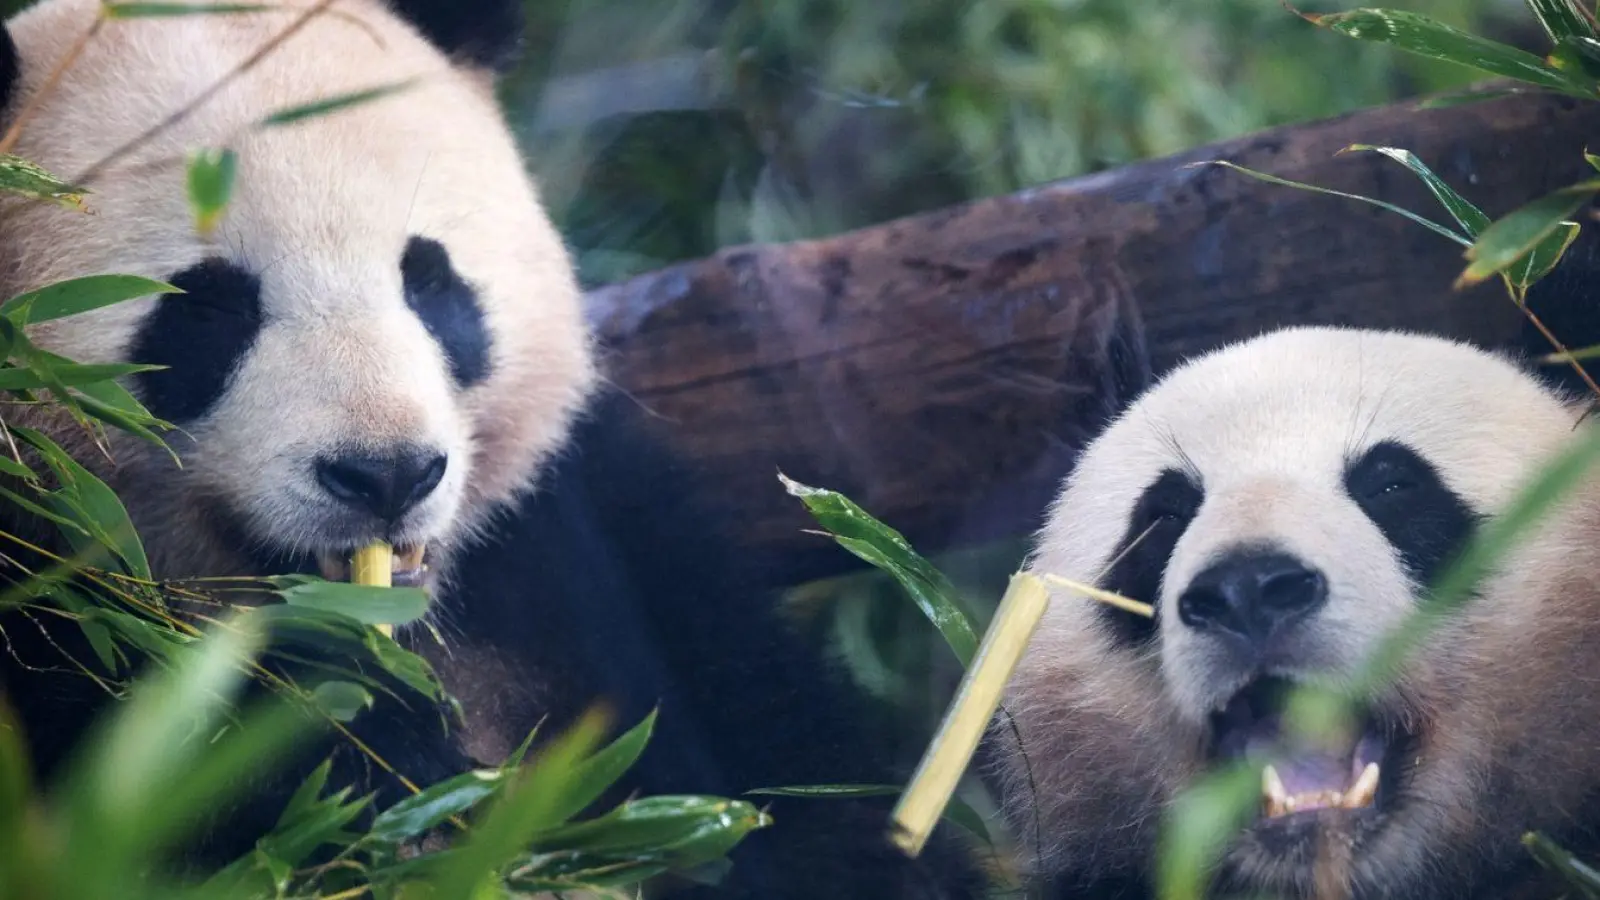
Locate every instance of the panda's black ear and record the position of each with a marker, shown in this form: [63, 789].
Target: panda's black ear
[485, 33]
[10, 67]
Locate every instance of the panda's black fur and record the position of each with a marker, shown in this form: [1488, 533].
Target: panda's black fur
[611, 582]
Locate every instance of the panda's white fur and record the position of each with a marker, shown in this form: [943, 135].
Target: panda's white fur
[1499, 704]
[322, 211]
[301, 339]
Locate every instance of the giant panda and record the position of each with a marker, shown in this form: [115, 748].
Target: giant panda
[384, 339]
[1284, 502]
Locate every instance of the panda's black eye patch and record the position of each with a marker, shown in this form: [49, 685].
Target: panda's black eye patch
[448, 307]
[1160, 517]
[1425, 521]
[200, 336]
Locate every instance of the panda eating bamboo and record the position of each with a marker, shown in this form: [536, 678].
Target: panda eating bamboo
[383, 340]
[1284, 503]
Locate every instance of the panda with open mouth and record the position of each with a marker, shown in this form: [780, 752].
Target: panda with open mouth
[1284, 503]
[384, 339]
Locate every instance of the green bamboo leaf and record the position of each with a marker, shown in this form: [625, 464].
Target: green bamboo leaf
[70, 374]
[1574, 871]
[1580, 353]
[341, 699]
[99, 638]
[89, 402]
[857, 531]
[364, 603]
[1562, 18]
[114, 10]
[211, 175]
[102, 524]
[9, 466]
[1591, 159]
[79, 295]
[18, 858]
[1577, 56]
[289, 847]
[1471, 219]
[306, 796]
[334, 635]
[66, 524]
[18, 176]
[957, 811]
[679, 830]
[1538, 262]
[332, 104]
[103, 514]
[529, 805]
[1199, 824]
[1427, 37]
[1517, 233]
[416, 815]
[595, 775]
[264, 736]
[148, 745]
[1470, 95]
[1273, 179]
[565, 874]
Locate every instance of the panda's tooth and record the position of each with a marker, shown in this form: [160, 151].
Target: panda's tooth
[1365, 790]
[410, 559]
[1272, 791]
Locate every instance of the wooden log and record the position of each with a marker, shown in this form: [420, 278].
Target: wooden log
[943, 369]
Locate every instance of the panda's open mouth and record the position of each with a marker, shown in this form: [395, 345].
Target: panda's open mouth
[1355, 771]
[410, 566]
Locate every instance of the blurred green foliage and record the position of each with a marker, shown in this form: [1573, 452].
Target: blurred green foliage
[666, 129]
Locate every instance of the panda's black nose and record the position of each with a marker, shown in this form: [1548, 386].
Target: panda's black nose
[386, 486]
[1252, 595]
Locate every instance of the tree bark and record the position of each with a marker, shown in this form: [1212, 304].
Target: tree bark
[943, 369]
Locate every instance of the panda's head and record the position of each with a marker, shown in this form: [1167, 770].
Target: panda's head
[1284, 503]
[381, 339]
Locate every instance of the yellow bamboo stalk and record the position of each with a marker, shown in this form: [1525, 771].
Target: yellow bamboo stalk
[976, 699]
[373, 565]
